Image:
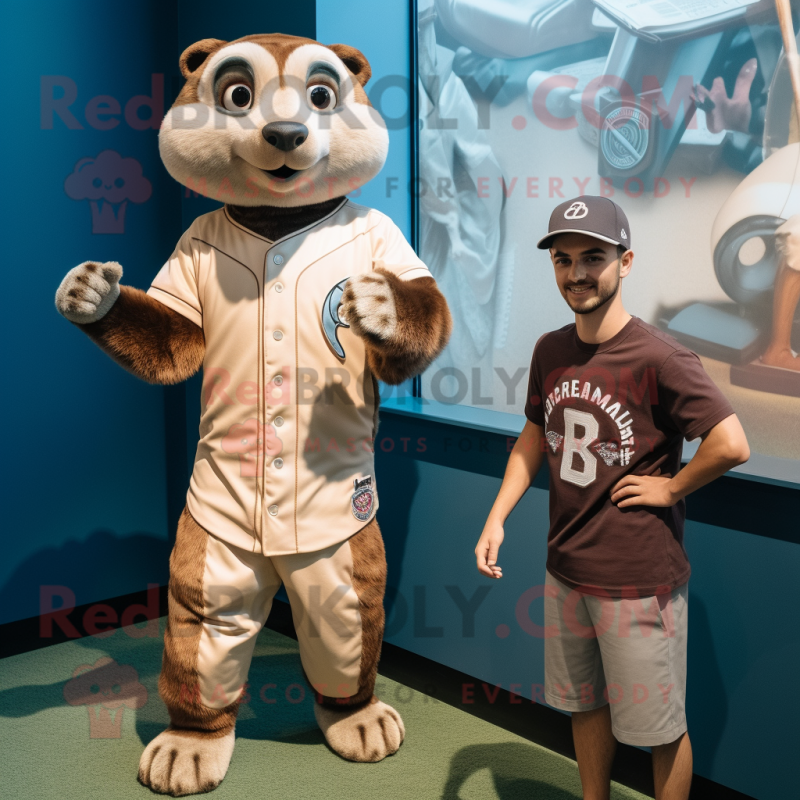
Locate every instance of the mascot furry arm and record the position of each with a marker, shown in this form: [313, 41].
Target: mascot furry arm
[150, 340]
[404, 324]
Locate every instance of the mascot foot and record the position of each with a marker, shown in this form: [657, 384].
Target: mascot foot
[185, 762]
[368, 733]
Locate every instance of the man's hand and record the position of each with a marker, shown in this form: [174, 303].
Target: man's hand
[523, 464]
[728, 113]
[487, 549]
[644, 490]
[722, 448]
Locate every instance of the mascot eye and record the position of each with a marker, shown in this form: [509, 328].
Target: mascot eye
[237, 97]
[321, 97]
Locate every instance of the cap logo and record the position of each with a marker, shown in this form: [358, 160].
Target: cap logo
[577, 210]
[623, 234]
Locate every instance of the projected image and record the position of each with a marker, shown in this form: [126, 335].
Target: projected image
[684, 113]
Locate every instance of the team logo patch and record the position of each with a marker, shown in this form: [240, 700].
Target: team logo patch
[554, 440]
[623, 234]
[577, 210]
[363, 499]
[331, 321]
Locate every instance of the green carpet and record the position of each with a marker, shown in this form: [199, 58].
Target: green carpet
[49, 752]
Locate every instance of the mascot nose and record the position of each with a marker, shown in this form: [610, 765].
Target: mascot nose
[285, 136]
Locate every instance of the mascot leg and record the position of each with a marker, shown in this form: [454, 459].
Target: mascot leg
[337, 604]
[219, 599]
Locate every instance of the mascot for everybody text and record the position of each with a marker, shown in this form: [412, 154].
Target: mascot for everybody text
[294, 300]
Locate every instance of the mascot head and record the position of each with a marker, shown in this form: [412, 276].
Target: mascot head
[273, 120]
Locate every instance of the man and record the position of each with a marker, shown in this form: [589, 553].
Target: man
[610, 400]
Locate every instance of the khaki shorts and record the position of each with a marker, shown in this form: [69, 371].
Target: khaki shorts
[628, 653]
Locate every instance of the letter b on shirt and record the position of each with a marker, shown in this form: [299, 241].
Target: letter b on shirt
[573, 446]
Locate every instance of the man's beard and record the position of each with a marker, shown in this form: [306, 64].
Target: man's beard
[603, 296]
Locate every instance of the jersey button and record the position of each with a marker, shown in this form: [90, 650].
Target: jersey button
[277, 335]
[277, 259]
[278, 380]
[278, 462]
[278, 421]
[278, 287]
[273, 510]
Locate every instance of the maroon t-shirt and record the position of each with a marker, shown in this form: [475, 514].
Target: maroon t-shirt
[610, 409]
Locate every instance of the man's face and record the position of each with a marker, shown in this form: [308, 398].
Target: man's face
[588, 270]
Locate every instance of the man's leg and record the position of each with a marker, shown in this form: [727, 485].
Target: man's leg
[574, 681]
[644, 662]
[787, 294]
[595, 746]
[786, 297]
[672, 769]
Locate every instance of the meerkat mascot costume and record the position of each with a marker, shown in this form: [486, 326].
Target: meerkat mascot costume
[294, 300]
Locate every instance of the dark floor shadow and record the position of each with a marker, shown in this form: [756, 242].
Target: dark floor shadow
[279, 702]
[23, 701]
[517, 772]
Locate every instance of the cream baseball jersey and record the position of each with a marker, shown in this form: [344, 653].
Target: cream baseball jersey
[285, 461]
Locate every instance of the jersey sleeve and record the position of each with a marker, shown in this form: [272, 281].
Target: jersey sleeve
[534, 402]
[688, 397]
[176, 283]
[392, 252]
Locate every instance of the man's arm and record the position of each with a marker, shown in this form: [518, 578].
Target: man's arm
[723, 447]
[523, 464]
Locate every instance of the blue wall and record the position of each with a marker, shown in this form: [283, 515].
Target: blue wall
[93, 492]
[86, 503]
[384, 40]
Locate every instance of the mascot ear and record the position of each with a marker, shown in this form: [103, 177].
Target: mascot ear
[354, 60]
[193, 57]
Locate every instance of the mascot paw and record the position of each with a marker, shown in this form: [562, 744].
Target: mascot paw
[182, 762]
[88, 291]
[368, 306]
[369, 733]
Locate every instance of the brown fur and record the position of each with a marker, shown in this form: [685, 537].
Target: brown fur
[369, 582]
[195, 55]
[423, 329]
[274, 222]
[357, 65]
[178, 684]
[150, 340]
[280, 45]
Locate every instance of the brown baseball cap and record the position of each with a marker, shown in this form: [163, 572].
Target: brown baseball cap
[595, 216]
